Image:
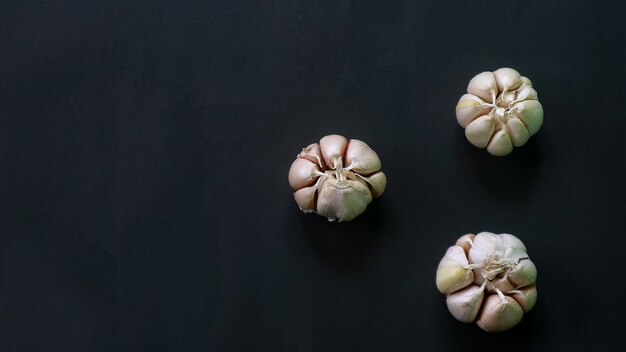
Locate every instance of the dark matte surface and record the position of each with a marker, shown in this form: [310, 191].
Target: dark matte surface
[144, 149]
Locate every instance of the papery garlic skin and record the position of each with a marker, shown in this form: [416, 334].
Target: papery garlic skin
[488, 279]
[336, 178]
[500, 111]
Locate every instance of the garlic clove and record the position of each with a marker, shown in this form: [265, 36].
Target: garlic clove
[466, 242]
[510, 241]
[479, 131]
[452, 272]
[499, 314]
[526, 93]
[377, 183]
[333, 148]
[465, 304]
[361, 158]
[507, 79]
[531, 114]
[486, 244]
[469, 108]
[523, 274]
[342, 200]
[506, 99]
[517, 131]
[500, 144]
[526, 81]
[484, 86]
[502, 284]
[313, 153]
[302, 173]
[305, 197]
[526, 297]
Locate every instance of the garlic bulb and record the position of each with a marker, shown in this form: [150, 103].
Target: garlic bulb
[336, 178]
[488, 279]
[500, 111]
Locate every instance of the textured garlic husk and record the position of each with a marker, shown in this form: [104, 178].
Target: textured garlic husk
[501, 269]
[499, 314]
[453, 272]
[336, 178]
[500, 111]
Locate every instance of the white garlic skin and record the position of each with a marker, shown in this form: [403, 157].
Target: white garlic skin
[500, 111]
[488, 279]
[336, 178]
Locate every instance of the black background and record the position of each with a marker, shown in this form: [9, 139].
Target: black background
[144, 155]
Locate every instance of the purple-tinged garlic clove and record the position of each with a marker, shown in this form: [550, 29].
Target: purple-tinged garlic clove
[360, 158]
[302, 173]
[313, 153]
[453, 273]
[507, 79]
[305, 197]
[484, 86]
[469, 108]
[333, 149]
[479, 131]
[499, 314]
[465, 304]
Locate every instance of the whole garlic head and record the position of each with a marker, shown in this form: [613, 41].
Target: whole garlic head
[500, 111]
[488, 279]
[336, 178]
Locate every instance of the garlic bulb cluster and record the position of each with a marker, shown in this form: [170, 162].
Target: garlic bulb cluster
[336, 178]
[500, 111]
[488, 279]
